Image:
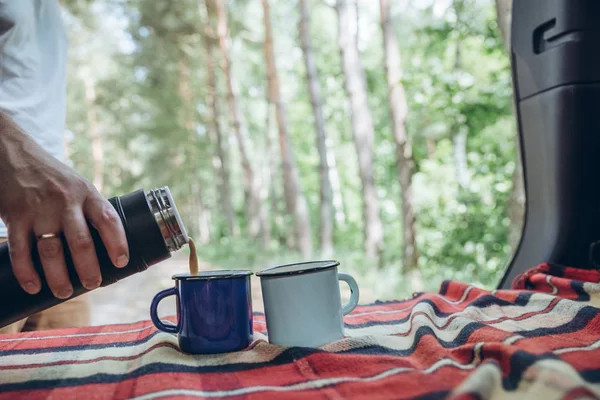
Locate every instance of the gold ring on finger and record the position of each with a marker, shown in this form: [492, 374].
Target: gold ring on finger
[47, 236]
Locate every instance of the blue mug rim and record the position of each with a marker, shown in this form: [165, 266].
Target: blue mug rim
[213, 275]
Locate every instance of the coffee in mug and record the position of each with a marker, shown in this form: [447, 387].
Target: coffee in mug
[193, 257]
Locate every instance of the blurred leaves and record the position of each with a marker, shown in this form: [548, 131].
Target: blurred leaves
[137, 48]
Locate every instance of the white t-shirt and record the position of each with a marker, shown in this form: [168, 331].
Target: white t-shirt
[33, 59]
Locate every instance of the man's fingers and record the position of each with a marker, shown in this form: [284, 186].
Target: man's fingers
[19, 247]
[82, 248]
[106, 220]
[53, 258]
[53, 261]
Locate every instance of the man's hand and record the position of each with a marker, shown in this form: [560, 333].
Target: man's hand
[40, 195]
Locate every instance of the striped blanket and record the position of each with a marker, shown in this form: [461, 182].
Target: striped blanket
[539, 341]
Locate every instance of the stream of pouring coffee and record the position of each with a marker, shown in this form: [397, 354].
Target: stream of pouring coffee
[193, 258]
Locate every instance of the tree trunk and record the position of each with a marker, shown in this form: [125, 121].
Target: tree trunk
[459, 133]
[225, 194]
[430, 148]
[255, 210]
[294, 197]
[459, 153]
[203, 214]
[285, 236]
[516, 202]
[312, 80]
[272, 179]
[187, 119]
[336, 186]
[405, 162]
[504, 15]
[95, 131]
[362, 124]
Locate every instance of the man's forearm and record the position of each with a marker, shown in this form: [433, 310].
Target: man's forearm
[15, 147]
[10, 140]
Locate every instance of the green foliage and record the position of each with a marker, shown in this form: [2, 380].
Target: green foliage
[465, 231]
[136, 62]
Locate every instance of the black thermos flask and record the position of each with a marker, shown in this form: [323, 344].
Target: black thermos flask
[154, 231]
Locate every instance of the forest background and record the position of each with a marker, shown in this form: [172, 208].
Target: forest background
[376, 132]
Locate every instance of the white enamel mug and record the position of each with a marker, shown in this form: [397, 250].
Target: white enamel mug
[303, 303]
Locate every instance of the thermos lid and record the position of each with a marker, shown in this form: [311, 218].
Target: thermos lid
[298, 268]
[167, 217]
[208, 275]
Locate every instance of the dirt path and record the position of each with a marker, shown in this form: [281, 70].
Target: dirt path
[129, 300]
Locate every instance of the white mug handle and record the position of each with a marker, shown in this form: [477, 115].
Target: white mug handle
[354, 293]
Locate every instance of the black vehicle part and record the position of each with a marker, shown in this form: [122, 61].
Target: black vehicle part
[556, 74]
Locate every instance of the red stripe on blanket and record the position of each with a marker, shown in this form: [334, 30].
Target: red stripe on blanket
[374, 379]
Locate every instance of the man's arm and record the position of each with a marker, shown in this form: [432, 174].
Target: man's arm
[39, 194]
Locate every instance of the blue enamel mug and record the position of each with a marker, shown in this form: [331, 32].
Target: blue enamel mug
[214, 311]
